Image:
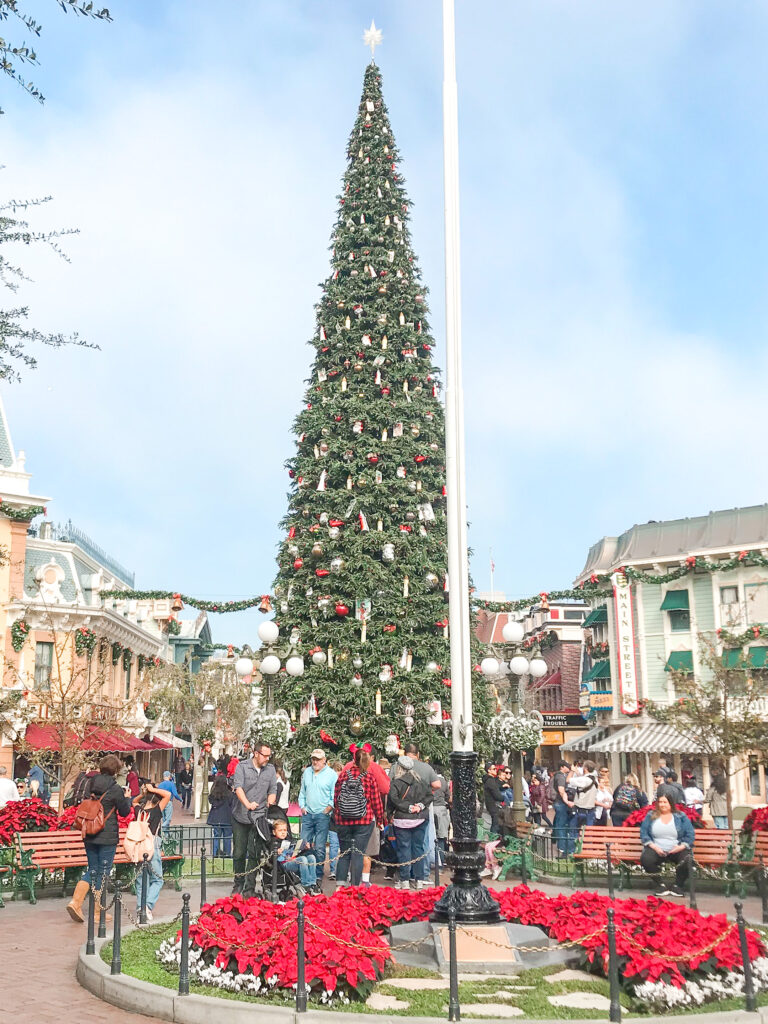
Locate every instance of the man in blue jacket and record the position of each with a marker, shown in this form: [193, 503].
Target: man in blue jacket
[318, 782]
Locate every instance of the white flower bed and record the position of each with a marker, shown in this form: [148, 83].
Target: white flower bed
[169, 954]
[657, 996]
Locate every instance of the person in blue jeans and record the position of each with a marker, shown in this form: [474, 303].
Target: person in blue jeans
[220, 801]
[301, 863]
[150, 804]
[563, 805]
[170, 786]
[409, 797]
[318, 782]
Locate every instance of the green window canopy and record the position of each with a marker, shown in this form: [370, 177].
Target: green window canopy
[600, 670]
[755, 657]
[597, 616]
[675, 601]
[679, 661]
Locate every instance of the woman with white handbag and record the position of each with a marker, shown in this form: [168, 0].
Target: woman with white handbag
[144, 836]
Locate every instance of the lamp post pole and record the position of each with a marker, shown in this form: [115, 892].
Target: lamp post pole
[466, 896]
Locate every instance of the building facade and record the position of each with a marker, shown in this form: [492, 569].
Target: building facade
[644, 628]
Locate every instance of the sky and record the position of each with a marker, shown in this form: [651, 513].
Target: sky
[614, 263]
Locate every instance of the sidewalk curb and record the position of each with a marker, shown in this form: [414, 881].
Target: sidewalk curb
[136, 996]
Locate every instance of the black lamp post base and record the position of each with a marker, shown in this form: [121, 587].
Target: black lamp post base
[466, 896]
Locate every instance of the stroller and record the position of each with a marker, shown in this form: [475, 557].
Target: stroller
[278, 885]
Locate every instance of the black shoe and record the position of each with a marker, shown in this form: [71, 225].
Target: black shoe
[663, 891]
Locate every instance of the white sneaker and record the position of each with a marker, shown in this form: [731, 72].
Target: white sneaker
[422, 884]
[496, 872]
[149, 915]
[485, 872]
[403, 885]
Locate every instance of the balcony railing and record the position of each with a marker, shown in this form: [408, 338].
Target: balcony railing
[68, 533]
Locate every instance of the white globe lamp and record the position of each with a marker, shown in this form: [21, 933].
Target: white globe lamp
[518, 665]
[538, 668]
[270, 665]
[268, 631]
[513, 632]
[243, 667]
[294, 666]
[489, 667]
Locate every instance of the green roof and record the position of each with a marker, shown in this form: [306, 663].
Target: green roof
[754, 657]
[596, 617]
[600, 670]
[679, 661]
[675, 600]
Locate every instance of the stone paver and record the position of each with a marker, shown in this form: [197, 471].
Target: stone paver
[570, 975]
[490, 1010]
[378, 1001]
[581, 1001]
[414, 984]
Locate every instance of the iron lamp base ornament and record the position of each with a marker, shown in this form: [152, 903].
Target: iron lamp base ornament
[466, 896]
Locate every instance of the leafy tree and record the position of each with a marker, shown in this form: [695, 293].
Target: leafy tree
[362, 568]
[179, 696]
[15, 55]
[720, 709]
[15, 334]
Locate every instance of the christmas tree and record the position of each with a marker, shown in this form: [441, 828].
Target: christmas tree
[362, 585]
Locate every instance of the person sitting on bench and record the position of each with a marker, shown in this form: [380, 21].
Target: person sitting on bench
[667, 835]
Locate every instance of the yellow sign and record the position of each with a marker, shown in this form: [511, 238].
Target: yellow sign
[552, 738]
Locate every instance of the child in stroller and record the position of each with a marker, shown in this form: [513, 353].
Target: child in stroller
[293, 859]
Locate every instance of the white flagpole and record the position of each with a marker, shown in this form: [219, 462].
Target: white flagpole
[458, 560]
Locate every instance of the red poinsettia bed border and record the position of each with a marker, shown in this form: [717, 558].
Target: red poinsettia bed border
[637, 817]
[347, 952]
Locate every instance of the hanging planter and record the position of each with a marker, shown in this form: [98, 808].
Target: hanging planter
[508, 731]
[85, 641]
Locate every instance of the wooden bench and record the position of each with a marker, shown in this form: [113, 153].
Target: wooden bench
[713, 849]
[753, 848]
[518, 852]
[64, 851]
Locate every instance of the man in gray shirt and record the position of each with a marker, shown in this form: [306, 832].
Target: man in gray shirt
[255, 785]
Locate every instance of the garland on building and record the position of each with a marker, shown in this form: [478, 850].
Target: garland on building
[758, 631]
[19, 634]
[24, 514]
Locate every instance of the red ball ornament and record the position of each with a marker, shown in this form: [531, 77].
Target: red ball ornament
[298, 562]
[385, 391]
[419, 458]
[373, 458]
[291, 473]
[341, 609]
[322, 572]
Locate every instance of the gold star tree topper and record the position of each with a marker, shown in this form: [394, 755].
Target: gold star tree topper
[373, 37]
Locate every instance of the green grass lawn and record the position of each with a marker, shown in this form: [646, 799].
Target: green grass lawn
[138, 960]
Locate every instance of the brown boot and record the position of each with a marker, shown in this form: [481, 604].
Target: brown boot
[75, 905]
[97, 911]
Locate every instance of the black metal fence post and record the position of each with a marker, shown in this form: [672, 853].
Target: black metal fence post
[454, 1010]
[523, 868]
[144, 890]
[116, 934]
[609, 859]
[90, 945]
[301, 985]
[437, 862]
[750, 998]
[614, 1013]
[184, 961]
[102, 932]
[692, 886]
[763, 887]
[274, 875]
[203, 862]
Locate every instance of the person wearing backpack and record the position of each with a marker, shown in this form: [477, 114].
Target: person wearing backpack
[584, 799]
[357, 807]
[148, 808]
[627, 797]
[409, 797]
[100, 832]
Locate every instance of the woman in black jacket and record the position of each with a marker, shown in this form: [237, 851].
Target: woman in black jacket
[408, 800]
[100, 848]
[220, 816]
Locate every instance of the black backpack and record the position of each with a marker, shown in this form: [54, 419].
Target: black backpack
[351, 804]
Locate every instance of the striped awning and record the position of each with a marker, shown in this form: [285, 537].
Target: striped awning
[656, 738]
[587, 740]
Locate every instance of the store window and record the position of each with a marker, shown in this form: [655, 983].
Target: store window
[679, 620]
[43, 665]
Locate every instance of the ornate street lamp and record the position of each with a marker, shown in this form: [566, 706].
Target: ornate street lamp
[515, 665]
[268, 661]
[208, 715]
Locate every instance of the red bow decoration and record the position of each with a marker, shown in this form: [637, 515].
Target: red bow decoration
[390, 628]
[742, 555]
[691, 561]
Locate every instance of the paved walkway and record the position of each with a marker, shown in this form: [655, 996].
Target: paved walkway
[40, 943]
